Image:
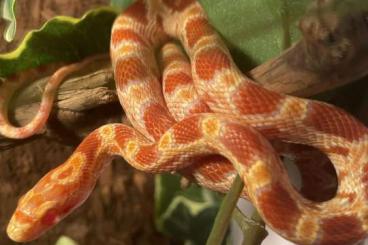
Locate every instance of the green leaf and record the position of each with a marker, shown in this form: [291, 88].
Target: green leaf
[62, 38]
[7, 13]
[121, 4]
[255, 30]
[186, 215]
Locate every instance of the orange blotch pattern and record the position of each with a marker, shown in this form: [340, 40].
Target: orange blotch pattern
[278, 208]
[214, 167]
[252, 99]
[89, 146]
[129, 69]
[242, 143]
[341, 230]
[176, 79]
[200, 107]
[65, 173]
[334, 121]
[157, 120]
[187, 131]
[147, 155]
[123, 134]
[209, 61]
[197, 29]
[137, 11]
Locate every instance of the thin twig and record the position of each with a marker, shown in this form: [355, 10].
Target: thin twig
[223, 216]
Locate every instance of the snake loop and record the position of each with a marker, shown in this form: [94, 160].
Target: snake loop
[207, 116]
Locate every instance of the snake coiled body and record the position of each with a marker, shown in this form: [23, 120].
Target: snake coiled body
[209, 119]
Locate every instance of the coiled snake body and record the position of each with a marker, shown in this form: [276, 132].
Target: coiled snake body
[210, 119]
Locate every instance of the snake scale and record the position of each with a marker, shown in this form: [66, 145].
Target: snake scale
[206, 118]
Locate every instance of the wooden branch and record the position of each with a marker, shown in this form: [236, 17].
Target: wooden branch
[333, 52]
[330, 54]
[84, 101]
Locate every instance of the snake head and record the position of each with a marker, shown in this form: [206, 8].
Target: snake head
[28, 223]
[49, 201]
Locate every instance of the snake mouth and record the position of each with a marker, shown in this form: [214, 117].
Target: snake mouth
[15, 230]
[23, 228]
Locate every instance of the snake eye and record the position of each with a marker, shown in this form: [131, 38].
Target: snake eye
[50, 217]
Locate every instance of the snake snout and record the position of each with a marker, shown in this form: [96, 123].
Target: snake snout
[23, 228]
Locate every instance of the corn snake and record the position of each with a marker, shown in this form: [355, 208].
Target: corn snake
[157, 143]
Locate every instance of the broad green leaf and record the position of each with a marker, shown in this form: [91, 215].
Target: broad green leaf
[62, 38]
[188, 214]
[255, 30]
[7, 13]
